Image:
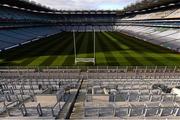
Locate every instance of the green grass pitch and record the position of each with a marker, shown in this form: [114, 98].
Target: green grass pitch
[112, 49]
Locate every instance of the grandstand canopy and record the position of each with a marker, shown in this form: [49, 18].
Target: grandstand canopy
[25, 4]
[86, 4]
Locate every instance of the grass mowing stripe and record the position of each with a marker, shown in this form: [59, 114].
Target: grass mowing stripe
[16, 53]
[114, 49]
[57, 50]
[134, 49]
[45, 52]
[22, 51]
[123, 52]
[107, 46]
[126, 58]
[85, 47]
[156, 51]
[65, 51]
[133, 57]
[140, 49]
[82, 52]
[147, 53]
[102, 48]
[163, 52]
[100, 56]
[127, 54]
[175, 60]
[69, 58]
[38, 52]
[141, 44]
[90, 45]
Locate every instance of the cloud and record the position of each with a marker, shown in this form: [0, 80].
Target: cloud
[85, 4]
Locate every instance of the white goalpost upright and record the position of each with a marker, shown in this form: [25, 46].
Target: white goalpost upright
[84, 60]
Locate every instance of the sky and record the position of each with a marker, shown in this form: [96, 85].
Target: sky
[86, 4]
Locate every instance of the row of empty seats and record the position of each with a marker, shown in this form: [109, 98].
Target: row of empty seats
[131, 98]
[14, 37]
[86, 28]
[167, 37]
[24, 97]
[16, 14]
[172, 13]
[8, 13]
[34, 98]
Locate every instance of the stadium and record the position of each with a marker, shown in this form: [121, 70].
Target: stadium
[90, 64]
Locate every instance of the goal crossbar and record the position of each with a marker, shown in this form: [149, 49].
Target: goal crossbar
[90, 60]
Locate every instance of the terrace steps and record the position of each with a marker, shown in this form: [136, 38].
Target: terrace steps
[78, 111]
[68, 107]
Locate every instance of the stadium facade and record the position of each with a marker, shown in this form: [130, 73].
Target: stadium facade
[89, 92]
[144, 21]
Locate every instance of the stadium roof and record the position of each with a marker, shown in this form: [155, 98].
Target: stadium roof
[86, 4]
[139, 6]
[25, 4]
[150, 4]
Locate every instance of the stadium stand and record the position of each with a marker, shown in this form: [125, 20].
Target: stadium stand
[127, 99]
[19, 25]
[174, 14]
[8, 13]
[12, 37]
[158, 25]
[167, 37]
[79, 92]
[46, 96]
[161, 14]
[26, 4]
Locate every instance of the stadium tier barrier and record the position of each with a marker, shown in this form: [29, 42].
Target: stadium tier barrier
[98, 72]
[88, 28]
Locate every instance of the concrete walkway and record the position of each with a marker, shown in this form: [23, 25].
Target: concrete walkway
[78, 110]
[69, 105]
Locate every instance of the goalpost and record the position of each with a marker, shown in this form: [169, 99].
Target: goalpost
[85, 60]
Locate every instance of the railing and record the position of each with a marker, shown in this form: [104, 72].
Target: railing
[84, 67]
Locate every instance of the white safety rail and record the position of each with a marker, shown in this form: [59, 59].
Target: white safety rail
[45, 72]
